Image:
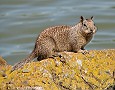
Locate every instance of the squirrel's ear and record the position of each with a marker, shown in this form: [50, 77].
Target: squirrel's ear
[91, 17]
[81, 19]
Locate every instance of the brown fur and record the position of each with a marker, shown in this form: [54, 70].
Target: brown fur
[61, 38]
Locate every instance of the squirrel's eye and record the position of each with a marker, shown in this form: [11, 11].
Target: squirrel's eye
[84, 25]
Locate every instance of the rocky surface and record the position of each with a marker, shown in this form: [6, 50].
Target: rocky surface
[73, 71]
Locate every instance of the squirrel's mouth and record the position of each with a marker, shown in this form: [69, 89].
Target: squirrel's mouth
[90, 33]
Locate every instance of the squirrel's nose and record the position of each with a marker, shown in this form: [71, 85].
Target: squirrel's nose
[91, 30]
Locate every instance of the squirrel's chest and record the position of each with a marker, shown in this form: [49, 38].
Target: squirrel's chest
[81, 41]
[88, 39]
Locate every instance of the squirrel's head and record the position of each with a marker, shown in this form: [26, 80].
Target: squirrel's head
[87, 26]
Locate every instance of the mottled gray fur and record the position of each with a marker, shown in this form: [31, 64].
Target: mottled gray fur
[61, 38]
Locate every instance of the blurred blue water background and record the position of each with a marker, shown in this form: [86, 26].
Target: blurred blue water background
[22, 20]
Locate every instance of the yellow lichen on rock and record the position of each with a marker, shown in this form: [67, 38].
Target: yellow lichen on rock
[73, 71]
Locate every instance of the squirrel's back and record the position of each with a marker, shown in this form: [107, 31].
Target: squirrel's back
[58, 35]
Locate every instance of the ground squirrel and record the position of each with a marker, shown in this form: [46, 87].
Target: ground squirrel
[61, 38]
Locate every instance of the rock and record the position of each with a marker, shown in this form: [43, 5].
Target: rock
[25, 70]
[73, 71]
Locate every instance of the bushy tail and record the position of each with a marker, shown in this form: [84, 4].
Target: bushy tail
[21, 63]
